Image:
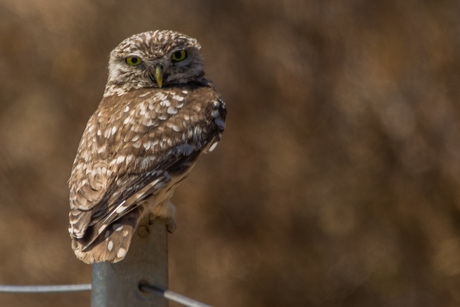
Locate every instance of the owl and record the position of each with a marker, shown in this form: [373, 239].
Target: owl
[157, 116]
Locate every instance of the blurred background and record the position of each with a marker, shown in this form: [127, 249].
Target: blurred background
[337, 182]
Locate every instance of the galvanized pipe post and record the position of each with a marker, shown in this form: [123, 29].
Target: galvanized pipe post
[117, 284]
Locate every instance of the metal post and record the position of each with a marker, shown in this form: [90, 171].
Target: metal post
[117, 284]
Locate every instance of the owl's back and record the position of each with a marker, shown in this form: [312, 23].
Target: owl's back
[134, 147]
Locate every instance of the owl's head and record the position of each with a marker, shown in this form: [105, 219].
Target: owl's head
[155, 59]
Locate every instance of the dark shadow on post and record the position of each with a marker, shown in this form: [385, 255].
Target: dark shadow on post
[117, 284]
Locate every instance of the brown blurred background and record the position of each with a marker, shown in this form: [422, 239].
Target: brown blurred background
[337, 182]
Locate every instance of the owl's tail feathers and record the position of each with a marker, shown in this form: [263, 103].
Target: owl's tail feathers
[112, 244]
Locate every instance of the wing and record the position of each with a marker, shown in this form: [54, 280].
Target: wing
[136, 147]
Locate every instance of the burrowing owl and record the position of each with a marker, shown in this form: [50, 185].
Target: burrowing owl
[157, 116]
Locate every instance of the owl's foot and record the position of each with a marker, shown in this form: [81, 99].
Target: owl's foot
[171, 226]
[167, 213]
[170, 223]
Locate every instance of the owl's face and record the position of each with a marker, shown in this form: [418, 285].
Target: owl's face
[155, 59]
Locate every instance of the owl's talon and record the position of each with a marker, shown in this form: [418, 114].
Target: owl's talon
[171, 227]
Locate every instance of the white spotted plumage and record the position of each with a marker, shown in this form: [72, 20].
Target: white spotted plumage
[141, 142]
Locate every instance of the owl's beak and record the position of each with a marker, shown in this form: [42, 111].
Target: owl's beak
[159, 75]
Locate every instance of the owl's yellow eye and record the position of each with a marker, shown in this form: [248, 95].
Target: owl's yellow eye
[133, 60]
[179, 55]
